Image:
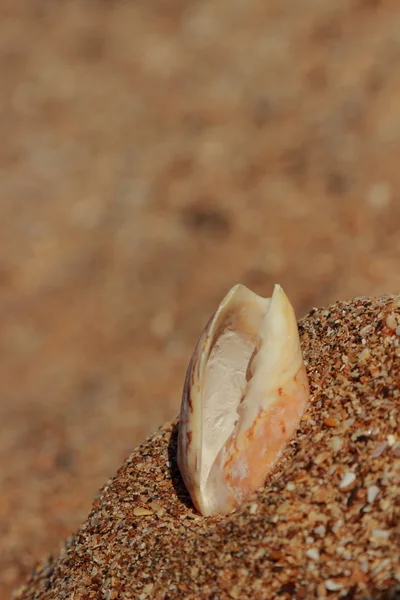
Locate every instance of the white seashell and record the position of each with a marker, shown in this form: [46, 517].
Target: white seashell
[245, 392]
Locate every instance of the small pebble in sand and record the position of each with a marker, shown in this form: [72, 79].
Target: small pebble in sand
[372, 493]
[347, 480]
[333, 586]
[391, 321]
[142, 512]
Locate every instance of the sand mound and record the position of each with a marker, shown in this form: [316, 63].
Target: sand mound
[326, 524]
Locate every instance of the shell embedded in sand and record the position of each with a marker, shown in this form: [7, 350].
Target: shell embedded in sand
[245, 392]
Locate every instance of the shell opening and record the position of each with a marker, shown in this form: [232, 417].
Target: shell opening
[227, 371]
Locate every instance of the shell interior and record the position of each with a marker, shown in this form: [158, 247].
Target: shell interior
[233, 341]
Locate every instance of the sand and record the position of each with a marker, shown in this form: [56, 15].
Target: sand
[326, 523]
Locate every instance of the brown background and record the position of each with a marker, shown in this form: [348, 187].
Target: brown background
[153, 153]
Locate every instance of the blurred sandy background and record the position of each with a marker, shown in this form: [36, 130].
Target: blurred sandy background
[153, 153]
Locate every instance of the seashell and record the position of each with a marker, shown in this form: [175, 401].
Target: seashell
[245, 392]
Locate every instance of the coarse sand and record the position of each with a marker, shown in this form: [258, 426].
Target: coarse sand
[326, 523]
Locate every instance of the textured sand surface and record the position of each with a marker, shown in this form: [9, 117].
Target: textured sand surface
[326, 523]
[153, 154]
